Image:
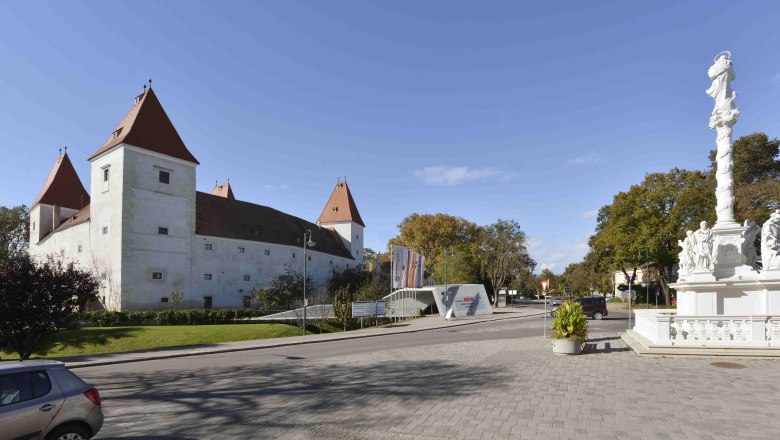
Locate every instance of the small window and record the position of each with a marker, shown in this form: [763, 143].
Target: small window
[157, 275]
[266, 252]
[241, 250]
[105, 230]
[33, 226]
[309, 258]
[164, 299]
[293, 254]
[62, 252]
[162, 231]
[207, 276]
[105, 175]
[207, 302]
[116, 133]
[80, 248]
[165, 177]
[331, 262]
[207, 246]
[334, 210]
[246, 277]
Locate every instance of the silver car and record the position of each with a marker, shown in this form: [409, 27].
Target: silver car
[44, 400]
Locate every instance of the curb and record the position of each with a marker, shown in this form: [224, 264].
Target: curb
[157, 355]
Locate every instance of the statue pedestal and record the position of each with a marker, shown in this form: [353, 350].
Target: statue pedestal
[727, 251]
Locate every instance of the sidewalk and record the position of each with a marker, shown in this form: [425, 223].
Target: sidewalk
[425, 323]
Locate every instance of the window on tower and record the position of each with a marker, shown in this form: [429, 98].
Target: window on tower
[165, 177]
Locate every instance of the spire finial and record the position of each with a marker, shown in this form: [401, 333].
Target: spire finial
[60, 151]
[228, 180]
[66, 149]
[216, 183]
[144, 88]
[150, 84]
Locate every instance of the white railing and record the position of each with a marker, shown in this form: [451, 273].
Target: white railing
[668, 328]
[403, 303]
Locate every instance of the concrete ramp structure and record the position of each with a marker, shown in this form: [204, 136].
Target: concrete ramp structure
[452, 301]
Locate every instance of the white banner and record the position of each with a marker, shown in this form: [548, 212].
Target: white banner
[408, 268]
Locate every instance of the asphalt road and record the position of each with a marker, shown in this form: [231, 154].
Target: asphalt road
[258, 393]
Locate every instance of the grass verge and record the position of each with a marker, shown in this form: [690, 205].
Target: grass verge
[99, 340]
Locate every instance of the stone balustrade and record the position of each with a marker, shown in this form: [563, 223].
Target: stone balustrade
[666, 327]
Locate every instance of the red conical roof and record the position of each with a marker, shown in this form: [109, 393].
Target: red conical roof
[63, 186]
[223, 190]
[341, 207]
[147, 126]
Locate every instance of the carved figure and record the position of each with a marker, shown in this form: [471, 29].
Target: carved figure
[703, 247]
[749, 242]
[770, 242]
[686, 255]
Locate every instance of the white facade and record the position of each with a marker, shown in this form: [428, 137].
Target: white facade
[139, 230]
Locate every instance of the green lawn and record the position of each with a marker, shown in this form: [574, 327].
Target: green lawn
[96, 340]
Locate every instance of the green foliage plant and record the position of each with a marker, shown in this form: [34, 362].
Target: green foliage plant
[570, 322]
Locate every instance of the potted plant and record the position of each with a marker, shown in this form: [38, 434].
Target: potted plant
[570, 328]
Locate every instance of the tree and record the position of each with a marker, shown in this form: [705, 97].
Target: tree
[756, 176]
[342, 306]
[284, 292]
[463, 266]
[431, 234]
[14, 230]
[176, 297]
[577, 279]
[369, 260]
[644, 223]
[502, 253]
[37, 299]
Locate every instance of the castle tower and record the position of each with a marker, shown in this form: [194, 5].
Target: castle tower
[341, 214]
[62, 195]
[223, 190]
[143, 208]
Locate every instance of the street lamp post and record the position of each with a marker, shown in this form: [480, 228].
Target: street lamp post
[307, 243]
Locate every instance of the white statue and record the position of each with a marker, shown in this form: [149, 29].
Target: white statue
[749, 242]
[703, 247]
[770, 242]
[723, 117]
[686, 255]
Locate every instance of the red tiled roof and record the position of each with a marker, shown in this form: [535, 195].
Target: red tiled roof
[341, 206]
[63, 186]
[223, 217]
[147, 126]
[223, 190]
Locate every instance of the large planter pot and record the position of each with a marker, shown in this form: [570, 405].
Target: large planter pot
[566, 346]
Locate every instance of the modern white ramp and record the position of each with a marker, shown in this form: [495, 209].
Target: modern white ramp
[454, 300]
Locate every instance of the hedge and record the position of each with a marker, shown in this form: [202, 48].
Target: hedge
[106, 318]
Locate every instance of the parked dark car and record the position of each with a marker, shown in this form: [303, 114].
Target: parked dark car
[44, 400]
[593, 306]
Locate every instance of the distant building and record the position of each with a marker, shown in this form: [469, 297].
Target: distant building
[644, 275]
[145, 230]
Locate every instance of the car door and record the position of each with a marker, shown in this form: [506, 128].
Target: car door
[29, 400]
[587, 305]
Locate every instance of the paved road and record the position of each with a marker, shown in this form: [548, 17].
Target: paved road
[492, 380]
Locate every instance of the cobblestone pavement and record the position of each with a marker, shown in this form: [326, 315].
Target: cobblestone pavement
[496, 389]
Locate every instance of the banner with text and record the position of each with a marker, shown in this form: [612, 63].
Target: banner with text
[408, 268]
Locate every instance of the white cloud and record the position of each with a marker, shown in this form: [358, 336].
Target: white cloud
[451, 176]
[555, 255]
[590, 214]
[282, 186]
[585, 160]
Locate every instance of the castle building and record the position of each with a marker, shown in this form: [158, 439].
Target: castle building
[145, 230]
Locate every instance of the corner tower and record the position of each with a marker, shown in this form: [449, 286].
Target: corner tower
[143, 207]
[341, 215]
[62, 195]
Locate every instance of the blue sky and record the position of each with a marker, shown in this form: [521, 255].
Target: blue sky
[538, 112]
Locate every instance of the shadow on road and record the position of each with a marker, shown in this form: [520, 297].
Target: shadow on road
[202, 403]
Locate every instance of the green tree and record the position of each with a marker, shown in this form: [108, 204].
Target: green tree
[578, 279]
[756, 176]
[431, 234]
[14, 230]
[644, 223]
[285, 291]
[503, 254]
[342, 306]
[462, 266]
[37, 299]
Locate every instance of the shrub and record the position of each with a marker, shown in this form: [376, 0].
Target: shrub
[107, 318]
[570, 322]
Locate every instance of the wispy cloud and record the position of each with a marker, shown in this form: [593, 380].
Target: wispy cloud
[588, 159]
[451, 176]
[279, 187]
[590, 214]
[556, 255]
